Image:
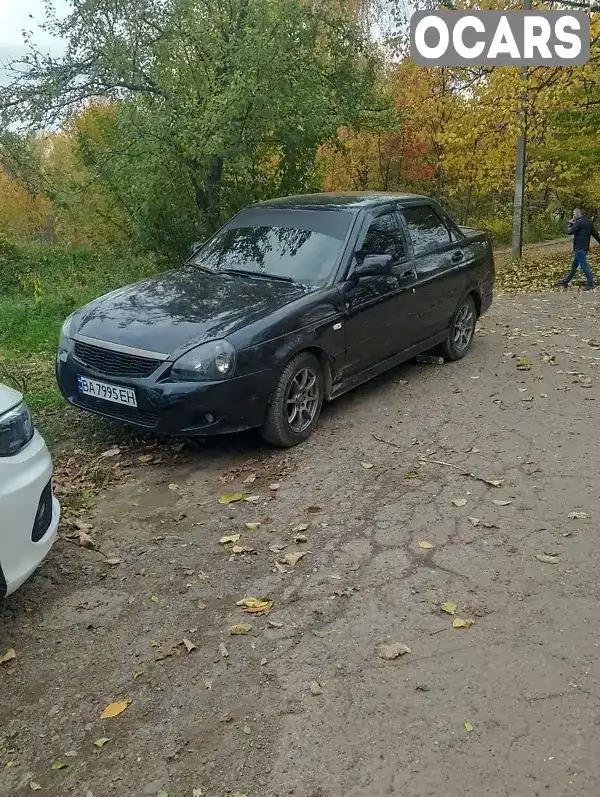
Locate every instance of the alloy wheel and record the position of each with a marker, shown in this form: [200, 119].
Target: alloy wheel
[302, 400]
[464, 326]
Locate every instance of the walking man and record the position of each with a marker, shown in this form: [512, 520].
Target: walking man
[581, 227]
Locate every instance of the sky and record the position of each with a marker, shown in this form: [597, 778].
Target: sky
[14, 16]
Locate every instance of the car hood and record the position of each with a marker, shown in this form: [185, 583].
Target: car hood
[182, 308]
[9, 398]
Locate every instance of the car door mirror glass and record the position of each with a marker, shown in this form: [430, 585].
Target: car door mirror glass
[373, 265]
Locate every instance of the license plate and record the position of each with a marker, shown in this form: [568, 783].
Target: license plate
[106, 392]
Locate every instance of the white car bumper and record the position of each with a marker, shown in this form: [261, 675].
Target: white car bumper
[29, 514]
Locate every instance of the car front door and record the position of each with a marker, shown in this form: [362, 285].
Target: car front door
[437, 258]
[376, 307]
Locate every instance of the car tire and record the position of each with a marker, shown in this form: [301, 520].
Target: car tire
[296, 402]
[461, 330]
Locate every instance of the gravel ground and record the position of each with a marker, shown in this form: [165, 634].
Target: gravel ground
[304, 704]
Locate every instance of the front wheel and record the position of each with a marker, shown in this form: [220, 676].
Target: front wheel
[461, 330]
[296, 403]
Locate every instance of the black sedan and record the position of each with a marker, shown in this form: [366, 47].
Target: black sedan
[293, 302]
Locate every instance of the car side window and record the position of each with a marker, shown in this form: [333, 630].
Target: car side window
[385, 237]
[427, 231]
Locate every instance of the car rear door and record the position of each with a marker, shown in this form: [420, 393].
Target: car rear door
[376, 308]
[438, 260]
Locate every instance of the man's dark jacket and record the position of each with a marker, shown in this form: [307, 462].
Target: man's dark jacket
[582, 229]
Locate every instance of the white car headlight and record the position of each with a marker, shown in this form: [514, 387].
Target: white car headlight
[16, 430]
[66, 333]
[214, 361]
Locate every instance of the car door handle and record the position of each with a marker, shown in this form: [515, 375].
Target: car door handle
[457, 257]
[406, 275]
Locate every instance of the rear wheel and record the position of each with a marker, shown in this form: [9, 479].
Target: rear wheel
[296, 403]
[461, 330]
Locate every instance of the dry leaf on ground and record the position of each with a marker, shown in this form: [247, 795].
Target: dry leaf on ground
[223, 651]
[10, 655]
[256, 605]
[189, 645]
[427, 546]
[500, 502]
[459, 501]
[174, 487]
[240, 630]
[253, 526]
[293, 557]
[114, 709]
[242, 549]
[392, 650]
[34, 786]
[316, 688]
[367, 465]
[252, 499]
[301, 527]
[449, 607]
[231, 498]
[546, 559]
[112, 452]
[85, 540]
[101, 741]
[113, 561]
[468, 727]
[300, 538]
[230, 538]
[59, 765]
[459, 622]
[577, 515]
[523, 364]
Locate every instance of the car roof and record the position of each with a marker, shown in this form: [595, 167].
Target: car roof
[346, 200]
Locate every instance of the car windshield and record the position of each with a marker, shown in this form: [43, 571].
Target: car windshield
[300, 245]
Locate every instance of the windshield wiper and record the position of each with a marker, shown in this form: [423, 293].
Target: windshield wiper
[200, 268]
[260, 274]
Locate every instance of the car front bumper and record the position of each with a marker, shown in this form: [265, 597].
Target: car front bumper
[29, 514]
[174, 408]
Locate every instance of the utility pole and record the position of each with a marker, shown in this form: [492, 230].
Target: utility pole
[520, 164]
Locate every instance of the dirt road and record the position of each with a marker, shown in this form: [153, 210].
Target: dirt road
[303, 704]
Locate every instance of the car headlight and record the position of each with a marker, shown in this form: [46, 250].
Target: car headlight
[16, 430]
[66, 333]
[208, 362]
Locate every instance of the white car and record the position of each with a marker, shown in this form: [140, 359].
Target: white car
[29, 513]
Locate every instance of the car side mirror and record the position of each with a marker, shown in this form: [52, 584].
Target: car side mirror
[374, 266]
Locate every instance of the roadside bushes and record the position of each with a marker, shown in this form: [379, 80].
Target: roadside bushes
[40, 284]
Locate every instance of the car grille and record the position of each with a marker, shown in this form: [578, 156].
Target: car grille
[43, 516]
[119, 412]
[114, 363]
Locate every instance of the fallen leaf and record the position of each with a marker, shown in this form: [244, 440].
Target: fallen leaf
[500, 502]
[577, 515]
[174, 487]
[459, 501]
[247, 730]
[474, 521]
[138, 674]
[253, 526]
[59, 765]
[276, 548]
[531, 467]
[412, 475]
[392, 650]
[101, 741]
[231, 498]
[252, 499]
[523, 364]
[449, 607]
[112, 452]
[300, 538]
[197, 793]
[292, 558]
[85, 540]
[82, 525]
[34, 786]
[256, 605]
[230, 538]
[240, 630]
[274, 624]
[468, 727]
[314, 510]
[146, 459]
[223, 651]
[275, 486]
[113, 561]
[367, 465]
[189, 645]
[474, 450]
[546, 559]
[241, 549]
[316, 688]
[494, 482]
[208, 682]
[114, 709]
[427, 546]
[301, 527]
[458, 622]
[71, 753]
[162, 794]
[250, 479]
[10, 655]
[154, 599]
